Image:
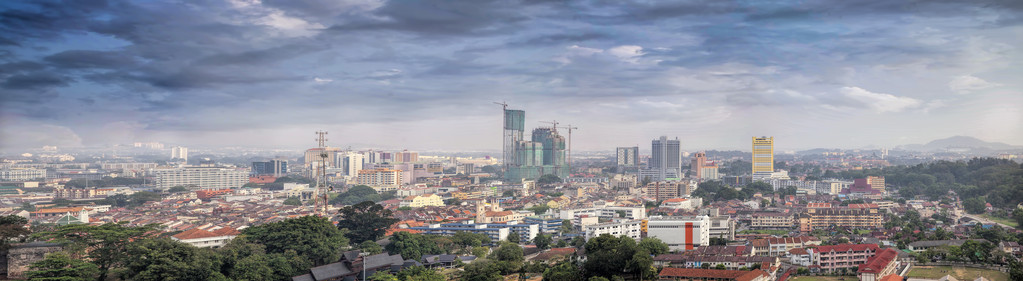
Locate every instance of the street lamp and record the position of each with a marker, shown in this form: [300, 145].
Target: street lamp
[365, 261]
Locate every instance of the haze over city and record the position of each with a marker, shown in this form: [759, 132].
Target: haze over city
[423, 75]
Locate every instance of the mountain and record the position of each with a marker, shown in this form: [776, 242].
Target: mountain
[960, 143]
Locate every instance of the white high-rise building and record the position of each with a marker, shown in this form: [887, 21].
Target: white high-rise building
[201, 177]
[350, 163]
[179, 152]
[666, 157]
[680, 233]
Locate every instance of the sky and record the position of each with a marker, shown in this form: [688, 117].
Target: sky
[424, 75]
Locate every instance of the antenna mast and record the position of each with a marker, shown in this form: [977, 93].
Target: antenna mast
[320, 195]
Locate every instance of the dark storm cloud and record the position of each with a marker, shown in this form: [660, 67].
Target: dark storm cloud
[34, 81]
[91, 59]
[441, 17]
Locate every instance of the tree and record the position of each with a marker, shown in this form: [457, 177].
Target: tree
[508, 193]
[548, 179]
[141, 197]
[1017, 214]
[715, 241]
[578, 242]
[59, 266]
[419, 273]
[105, 245]
[365, 221]
[165, 259]
[566, 226]
[654, 246]
[720, 266]
[311, 237]
[28, 206]
[12, 227]
[608, 255]
[412, 246]
[371, 247]
[177, 188]
[507, 258]
[483, 270]
[513, 237]
[539, 209]
[469, 239]
[542, 241]
[565, 270]
[382, 276]
[975, 205]
[1015, 269]
[293, 201]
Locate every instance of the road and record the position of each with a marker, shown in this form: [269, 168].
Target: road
[984, 220]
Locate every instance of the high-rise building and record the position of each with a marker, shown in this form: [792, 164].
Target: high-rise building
[876, 183]
[202, 177]
[666, 157]
[697, 163]
[350, 162]
[763, 155]
[381, 179]
[313, 156]
[275, 167]
[179, 152]
[528, 160]
[406, 156]
[627, 158]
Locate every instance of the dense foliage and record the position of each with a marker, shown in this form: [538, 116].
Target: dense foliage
[365, 221]
[312, 237]
[360, 193]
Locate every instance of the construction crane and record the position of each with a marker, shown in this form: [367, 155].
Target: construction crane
[320, 197]
[504, 137]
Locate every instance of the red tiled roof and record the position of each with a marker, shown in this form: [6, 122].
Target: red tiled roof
[891, 277]
[846, 248]
[879, 261]
[196, 233]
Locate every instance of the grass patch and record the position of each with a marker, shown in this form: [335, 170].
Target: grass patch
[824, 278]
[766, 231]
[961, 273]
[1005, 221]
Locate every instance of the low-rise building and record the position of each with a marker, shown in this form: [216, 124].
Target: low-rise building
[206, 239]
[628, 228]
[771, 220]
[687, 204]
[881, 264]
[832, 258]
[699, 274]
[416, 201]
[680, 233]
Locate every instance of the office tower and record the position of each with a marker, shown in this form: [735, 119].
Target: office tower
[406, 156]
[275, 167]
[313, 156]
[350, 162]
[763, 155]
[666, 157]
[697, 163]
[627, 158]
[179, 152]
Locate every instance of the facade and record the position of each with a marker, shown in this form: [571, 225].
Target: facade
[74, 193]
[607, 212]
[722, 227]
[314, 156]
[664, 190]
[206, 239]
[860, 216]
[548, 223]
[710, 172]
[699, 274]
[627, 228]
[680, 233]
[22, 174]
[881, 264]
[763, 155]
[832, 258]
[179, 153]
[801, 257]
[350, 163]
[687, 204]
[202, 177]
[415, 201]
[877, 183]
[275, 167]
[781, 246]
[449, 229]
[627, 158]
[765, 220]
[665, 157]
[381, 179]
[406, 156]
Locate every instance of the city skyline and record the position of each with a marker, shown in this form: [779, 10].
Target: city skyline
[424, 75]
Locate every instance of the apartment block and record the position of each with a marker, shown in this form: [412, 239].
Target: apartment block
[861, 216]
[772, 220]
[832, 258]
[628, 228]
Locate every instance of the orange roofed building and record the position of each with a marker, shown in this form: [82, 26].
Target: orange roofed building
[210, 193]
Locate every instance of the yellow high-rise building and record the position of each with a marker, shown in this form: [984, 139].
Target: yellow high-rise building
[763, 154]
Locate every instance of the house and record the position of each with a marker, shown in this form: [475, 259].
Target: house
[801, 256]
[1009, 247]
[699, 274]
[352, 266]
[206, 239]
[445, 261]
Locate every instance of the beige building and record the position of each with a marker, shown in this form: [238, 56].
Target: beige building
[876, 183]
[417, 201]
[381, 179]
[857, 216]
[763, 220]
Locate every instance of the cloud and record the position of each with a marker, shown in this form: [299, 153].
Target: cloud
[627, 53]
[967, 84]
[879, 102]
[319, 80]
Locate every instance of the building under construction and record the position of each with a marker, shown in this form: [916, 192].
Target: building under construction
[528, 160]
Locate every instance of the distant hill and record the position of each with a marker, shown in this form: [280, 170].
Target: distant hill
[960, 143]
